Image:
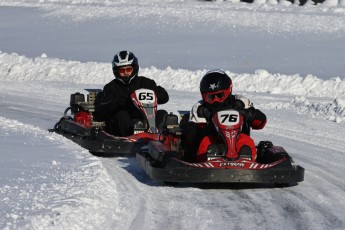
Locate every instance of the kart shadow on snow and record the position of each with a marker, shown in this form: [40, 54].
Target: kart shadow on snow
[130, 165]
[128, 162]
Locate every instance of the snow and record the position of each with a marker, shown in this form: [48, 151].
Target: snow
[287, 59]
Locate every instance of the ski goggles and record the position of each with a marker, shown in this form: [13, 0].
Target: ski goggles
[214, 97]
[127, 69]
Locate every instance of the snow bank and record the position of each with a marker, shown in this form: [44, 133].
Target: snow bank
[262, 81]
[16, 68]
[266, 17]
[19, 68]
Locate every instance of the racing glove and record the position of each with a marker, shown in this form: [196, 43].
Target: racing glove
[255, 118]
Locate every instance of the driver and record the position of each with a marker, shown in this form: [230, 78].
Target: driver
[216, 92]
[116, 106]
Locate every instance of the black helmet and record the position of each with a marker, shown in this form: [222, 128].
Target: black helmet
[215, 87]
[123, 59]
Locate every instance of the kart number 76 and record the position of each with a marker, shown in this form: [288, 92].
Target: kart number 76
[228, 117]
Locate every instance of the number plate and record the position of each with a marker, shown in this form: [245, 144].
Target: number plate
[228, 117]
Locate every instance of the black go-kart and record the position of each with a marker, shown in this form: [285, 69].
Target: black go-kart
[80, 124]
[165, 159]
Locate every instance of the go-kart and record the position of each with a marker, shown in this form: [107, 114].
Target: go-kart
[165, 159]
[80, 124]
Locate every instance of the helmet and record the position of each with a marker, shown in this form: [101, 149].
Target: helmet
[215, 87]
[125, 58]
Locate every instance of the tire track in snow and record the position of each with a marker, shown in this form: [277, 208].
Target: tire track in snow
[319, 194]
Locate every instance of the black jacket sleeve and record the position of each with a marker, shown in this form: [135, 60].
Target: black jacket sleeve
[162, 95]
[107, 103]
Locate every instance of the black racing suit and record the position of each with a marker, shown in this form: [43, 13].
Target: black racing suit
[117, 107]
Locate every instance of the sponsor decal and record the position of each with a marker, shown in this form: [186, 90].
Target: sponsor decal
[232, 164]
